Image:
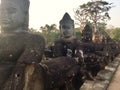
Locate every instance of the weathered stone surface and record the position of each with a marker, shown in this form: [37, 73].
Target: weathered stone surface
[100, 85]
[112, 66]
[104, 75]
[88, 85]
[118, 59]
[59, 71]
[5, 70]
[115, 83]
[17, 45]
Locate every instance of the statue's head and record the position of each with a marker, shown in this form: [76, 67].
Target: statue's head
[67, 26]
[87, 33]
[14, 14]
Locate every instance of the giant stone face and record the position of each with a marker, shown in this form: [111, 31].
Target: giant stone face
[67, 26]
[12, 16]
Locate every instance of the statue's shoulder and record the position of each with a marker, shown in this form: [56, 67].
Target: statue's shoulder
[59, 41]
[76, 41]
[32, 38]
[35, 35]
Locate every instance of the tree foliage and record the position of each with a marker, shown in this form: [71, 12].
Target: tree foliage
[93, 11]
[49, 32]
[48, 28]
[114, 33]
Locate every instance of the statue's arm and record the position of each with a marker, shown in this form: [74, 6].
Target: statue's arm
[34, 49]
[59, 49]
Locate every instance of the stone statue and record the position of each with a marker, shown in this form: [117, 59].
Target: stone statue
[87, 33]
[68, 42]
[67, 45]
[17, 45]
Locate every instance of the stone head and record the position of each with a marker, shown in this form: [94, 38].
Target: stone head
[67, 26]
[87, 33]
[14, 14]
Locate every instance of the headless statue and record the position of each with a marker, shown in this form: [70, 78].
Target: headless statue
[17, 45]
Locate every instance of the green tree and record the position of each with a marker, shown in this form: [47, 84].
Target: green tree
[116, 34]
[93, 11]
[49, 31]
[78, 33]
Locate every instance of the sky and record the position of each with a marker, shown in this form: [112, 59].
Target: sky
[43, 12]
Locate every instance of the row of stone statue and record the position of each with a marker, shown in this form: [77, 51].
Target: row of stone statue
[21, 52]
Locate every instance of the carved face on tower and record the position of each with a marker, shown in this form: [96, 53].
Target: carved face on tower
[67, 26]
[14, 14]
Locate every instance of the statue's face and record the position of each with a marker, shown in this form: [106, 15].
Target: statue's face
[67, 30]
[11, 15]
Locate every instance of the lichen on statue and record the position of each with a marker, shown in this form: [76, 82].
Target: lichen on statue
[17, 44]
